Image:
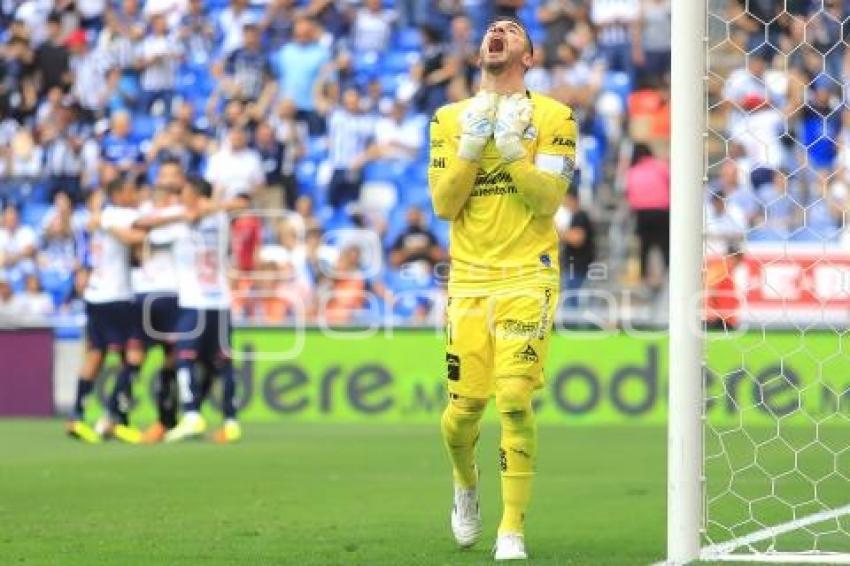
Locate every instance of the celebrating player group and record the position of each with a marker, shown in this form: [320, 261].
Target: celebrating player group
[500, 164]
[176, 297]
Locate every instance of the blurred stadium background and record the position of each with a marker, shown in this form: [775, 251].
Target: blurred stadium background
[321, 109]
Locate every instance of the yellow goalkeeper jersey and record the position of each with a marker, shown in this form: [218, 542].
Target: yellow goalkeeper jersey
[496, 242]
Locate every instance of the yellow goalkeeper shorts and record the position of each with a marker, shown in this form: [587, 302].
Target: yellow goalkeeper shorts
[505, 335]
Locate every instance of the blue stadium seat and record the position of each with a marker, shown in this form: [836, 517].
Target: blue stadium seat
[145, 127]
[407, 39]
[619, 84]
[383, 170]
[56, 285]
[33, 213]
[366, 63]
[397, 62]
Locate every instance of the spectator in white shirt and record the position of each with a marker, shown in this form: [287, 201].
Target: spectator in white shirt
[231, 23]
[17, 247]
[372, 27]
[89, 68]
[397, 136]
[725, 224]
[235, 169]
[32, 305]
[158, 59]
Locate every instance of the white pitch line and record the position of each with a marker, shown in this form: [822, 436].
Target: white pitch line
[717, 551]
[781, 558]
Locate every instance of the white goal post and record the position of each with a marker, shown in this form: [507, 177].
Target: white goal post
[687, 168]
[764, 481]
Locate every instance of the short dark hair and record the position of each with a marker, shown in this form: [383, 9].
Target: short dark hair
[640, 151]
[201, 186]
[517, 21]
[116, 185]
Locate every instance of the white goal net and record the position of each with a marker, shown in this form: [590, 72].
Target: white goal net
[776, 270]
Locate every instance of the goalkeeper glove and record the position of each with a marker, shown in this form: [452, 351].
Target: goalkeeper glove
[477, 125]
[513, 115]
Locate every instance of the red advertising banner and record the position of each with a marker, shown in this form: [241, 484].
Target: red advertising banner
[793, 284]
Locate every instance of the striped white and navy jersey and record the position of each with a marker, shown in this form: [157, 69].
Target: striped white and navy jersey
[613, 19]
[348, 136]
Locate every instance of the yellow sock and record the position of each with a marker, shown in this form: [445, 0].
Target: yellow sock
[517, 451]
[460, 426]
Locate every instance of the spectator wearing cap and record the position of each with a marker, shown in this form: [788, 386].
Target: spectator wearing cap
[18, 245]
[158, 58]
[298, 65]
[577, 245]
[52, 60]
[235, 169]
[246, 73]
[748, 88]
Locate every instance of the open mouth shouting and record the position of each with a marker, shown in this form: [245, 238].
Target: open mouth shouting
[496, 45]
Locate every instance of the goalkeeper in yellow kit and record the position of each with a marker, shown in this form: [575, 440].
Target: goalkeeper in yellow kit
[500, 164]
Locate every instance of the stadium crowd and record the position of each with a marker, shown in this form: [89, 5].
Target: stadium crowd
[319, 109]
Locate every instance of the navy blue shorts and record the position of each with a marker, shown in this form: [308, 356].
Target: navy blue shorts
[161, 318]
[108, 325]
[204, 335]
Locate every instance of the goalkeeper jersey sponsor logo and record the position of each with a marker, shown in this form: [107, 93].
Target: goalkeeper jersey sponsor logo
[493, 183]
[512, 328]
[528, 354]
[563, 141]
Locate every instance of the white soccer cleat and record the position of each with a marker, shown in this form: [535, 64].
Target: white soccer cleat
[192, 425]
[466, 516]
[510, 546]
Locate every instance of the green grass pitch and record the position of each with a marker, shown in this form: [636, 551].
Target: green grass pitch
[319, 494]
